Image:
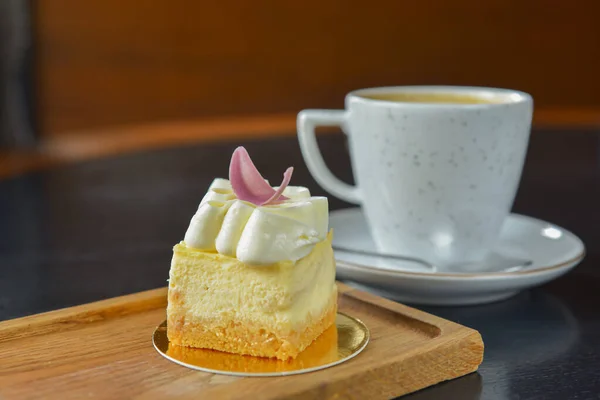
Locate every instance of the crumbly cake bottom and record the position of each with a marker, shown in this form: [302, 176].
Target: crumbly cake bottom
[247, 338]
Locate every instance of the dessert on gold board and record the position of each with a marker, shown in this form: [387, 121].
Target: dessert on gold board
[255, 273]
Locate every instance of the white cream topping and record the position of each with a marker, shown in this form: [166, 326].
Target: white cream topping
[258, 235]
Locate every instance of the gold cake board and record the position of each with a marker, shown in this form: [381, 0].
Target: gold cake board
[341, 342]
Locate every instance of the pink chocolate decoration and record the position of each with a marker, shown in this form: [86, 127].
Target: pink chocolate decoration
[249, 185]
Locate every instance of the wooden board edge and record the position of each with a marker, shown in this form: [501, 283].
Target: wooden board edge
[443, 326]
[78, 316]
[343, 288]
[453, 358]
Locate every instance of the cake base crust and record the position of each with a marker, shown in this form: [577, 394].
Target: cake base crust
[246, 338]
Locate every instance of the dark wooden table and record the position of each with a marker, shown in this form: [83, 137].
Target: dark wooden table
[98, 229]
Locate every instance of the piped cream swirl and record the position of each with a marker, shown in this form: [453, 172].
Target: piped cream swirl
[258, 235]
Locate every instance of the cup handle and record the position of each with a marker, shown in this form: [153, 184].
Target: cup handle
[306, 122]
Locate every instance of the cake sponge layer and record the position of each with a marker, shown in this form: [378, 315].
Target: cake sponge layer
[322, 351]
[249, 338]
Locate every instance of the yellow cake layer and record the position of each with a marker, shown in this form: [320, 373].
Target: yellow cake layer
[323, 350]
[277, 310]
[249, 338]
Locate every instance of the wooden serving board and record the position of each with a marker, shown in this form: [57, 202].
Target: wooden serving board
[104, 350]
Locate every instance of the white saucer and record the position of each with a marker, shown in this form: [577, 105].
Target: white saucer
[552, 250]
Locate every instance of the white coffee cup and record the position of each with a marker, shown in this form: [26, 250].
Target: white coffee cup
[436, 176]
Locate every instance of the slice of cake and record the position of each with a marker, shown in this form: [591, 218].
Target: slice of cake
[255, 273]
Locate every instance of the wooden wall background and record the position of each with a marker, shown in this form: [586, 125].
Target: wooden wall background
[104, 63]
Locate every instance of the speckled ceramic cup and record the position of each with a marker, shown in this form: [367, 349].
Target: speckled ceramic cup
[436, 177]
